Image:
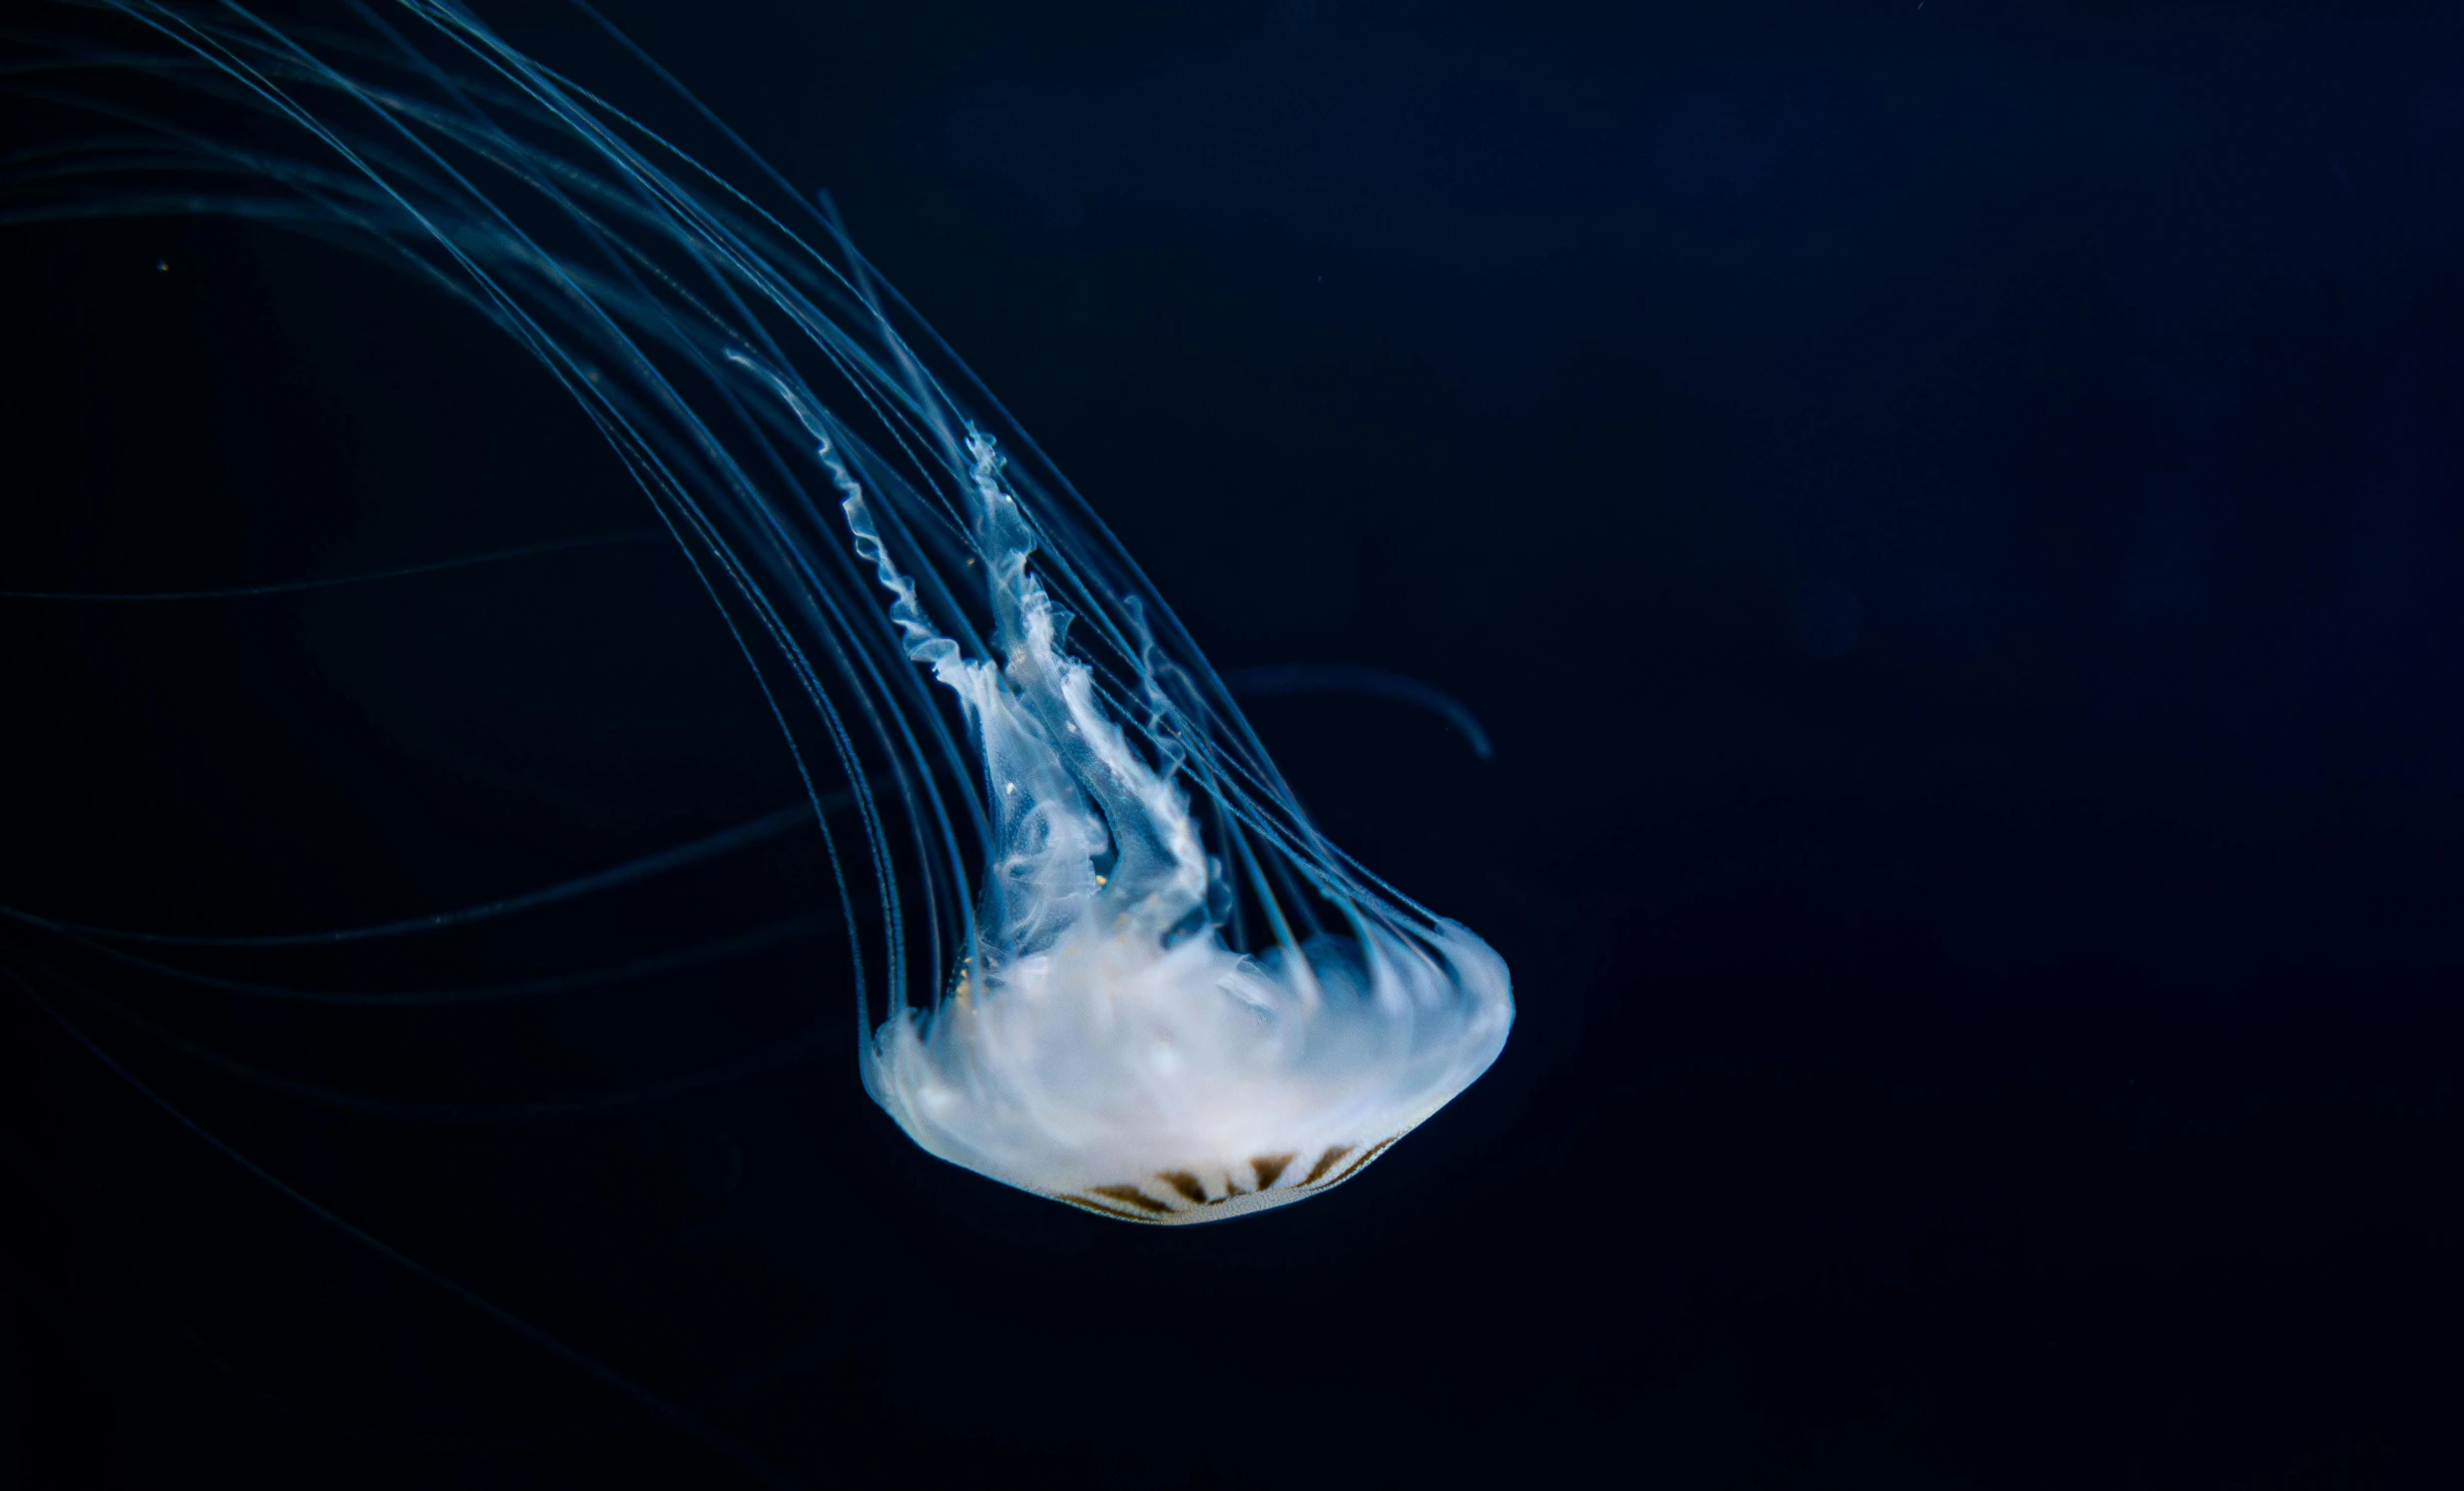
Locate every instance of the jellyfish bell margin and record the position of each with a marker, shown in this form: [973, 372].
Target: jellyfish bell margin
[1191, 1084]
[1115, 963]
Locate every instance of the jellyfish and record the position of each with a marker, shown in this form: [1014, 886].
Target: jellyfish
[1099, 949]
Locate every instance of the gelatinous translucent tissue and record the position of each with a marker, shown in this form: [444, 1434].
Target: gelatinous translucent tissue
[1104, 1046]
[1099, 949]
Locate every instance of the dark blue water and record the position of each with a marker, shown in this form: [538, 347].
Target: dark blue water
[1947, 513]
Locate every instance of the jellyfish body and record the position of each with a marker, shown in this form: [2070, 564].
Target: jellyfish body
[1099, 952]
[1104, 1046]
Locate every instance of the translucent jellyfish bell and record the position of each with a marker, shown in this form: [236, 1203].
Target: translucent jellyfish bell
[1111, 960]
[1102, 1044]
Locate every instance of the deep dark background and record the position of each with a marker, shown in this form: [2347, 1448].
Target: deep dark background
[1948, 512]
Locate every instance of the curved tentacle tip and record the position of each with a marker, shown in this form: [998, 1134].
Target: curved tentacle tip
[1321, 678]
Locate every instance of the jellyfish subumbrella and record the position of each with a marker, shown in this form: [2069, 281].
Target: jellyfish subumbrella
[1099, 951]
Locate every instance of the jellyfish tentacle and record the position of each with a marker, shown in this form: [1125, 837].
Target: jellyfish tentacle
[1113, 955]
[1315, 678]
